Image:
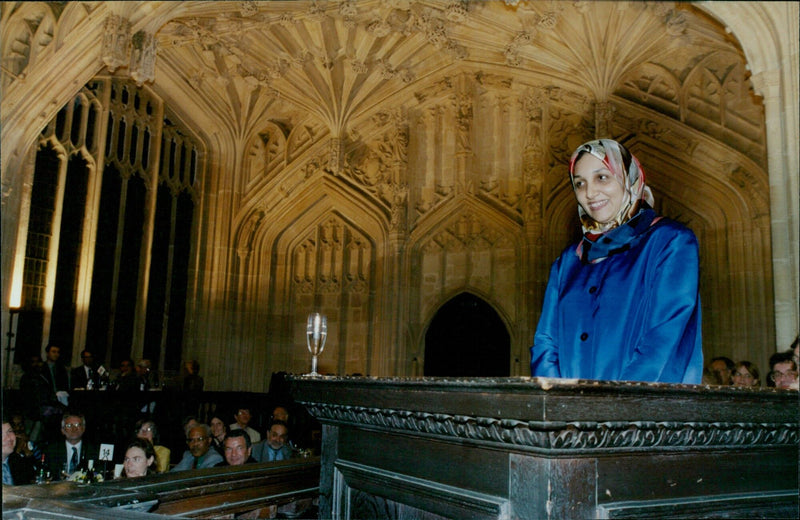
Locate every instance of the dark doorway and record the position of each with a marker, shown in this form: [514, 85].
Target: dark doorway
[467, 338]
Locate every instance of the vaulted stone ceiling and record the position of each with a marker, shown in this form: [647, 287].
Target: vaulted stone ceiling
[237, 65]
[461, 115]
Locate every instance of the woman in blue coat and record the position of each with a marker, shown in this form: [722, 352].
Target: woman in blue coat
[623, 303]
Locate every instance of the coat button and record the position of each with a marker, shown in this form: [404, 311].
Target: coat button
[584, 336]
[592, 289]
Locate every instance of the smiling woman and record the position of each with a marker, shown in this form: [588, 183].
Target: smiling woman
[623, 303]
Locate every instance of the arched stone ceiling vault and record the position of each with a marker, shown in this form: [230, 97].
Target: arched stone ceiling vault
[283, 92]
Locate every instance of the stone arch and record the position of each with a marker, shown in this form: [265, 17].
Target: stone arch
[26, 35]
[73, 15]
[471, 325]
[654, 85]
[303, 137]
[273, 303]
[464, 245]
[774, 66]
[265, 155]
[753, 28]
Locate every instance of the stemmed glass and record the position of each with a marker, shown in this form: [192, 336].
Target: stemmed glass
[316, 333]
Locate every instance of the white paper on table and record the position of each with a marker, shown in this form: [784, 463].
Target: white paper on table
[107, 452]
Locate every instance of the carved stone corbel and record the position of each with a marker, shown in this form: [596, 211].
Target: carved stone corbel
[143, 57]
[116, 40]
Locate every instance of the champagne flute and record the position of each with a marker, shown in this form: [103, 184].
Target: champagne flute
[316, 333]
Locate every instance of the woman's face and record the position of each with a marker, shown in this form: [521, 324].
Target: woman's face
[217, 427]
[136, 462]
[741, 377]
[599, 193]
[146, 432]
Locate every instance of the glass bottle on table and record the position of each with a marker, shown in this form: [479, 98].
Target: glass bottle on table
[41, 475]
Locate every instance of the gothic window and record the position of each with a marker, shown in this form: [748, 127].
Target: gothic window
[132, 295]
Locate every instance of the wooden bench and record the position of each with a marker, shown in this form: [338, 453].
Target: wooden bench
[249, 491]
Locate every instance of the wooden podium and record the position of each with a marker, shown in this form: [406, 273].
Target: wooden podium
[534, 449]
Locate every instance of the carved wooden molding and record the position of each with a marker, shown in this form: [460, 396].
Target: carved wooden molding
[556, 437]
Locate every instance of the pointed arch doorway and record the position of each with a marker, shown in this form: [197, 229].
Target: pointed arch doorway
[467, 338]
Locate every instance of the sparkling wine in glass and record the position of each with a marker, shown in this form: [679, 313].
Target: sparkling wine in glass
[316, 333]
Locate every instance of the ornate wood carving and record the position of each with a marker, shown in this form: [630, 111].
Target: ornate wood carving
[562, 437]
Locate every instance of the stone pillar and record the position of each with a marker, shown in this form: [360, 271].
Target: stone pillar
[783, 204]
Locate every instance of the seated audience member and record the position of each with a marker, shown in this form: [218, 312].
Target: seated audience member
[199, 455]
[745, 373]
[218, 433]
[17, 470]
[146, 429]
[147, 378]
[85, 376]
[126, 380]
[275, 446]
[73, 452]
[783, 371]
[189, 422]
[237, 449]
[140, 459]
[25, 446]
[280, 413]
[243, 417]
[795, 348]
[721, 369]
[9, 448]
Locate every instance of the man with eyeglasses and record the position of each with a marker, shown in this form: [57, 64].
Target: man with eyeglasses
[242, 417]
[65, 458]
[783, 370]
[199, 455]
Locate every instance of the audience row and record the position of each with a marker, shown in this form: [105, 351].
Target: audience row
[75, 458]
[783, 370]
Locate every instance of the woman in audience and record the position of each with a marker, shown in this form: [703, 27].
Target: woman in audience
[140, 459]
[218, 432]
[745, 373]
[146, 429]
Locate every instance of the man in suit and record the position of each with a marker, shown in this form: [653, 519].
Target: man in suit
[54, 370]
[276, 444]
[238, 449]
[73, 453]
[17, 468]
[81, 376]
[199, 455]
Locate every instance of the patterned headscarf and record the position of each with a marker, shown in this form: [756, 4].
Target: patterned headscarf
[626, 170]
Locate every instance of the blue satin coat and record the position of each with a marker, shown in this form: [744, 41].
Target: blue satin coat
[634, 316]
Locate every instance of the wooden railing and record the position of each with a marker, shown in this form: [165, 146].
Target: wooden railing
[250, 491]
[534, 448]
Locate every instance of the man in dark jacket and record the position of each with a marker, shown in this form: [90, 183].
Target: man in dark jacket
[237, 449]
[17, 470]
[54, 370]
[72, 454]
[85, 376]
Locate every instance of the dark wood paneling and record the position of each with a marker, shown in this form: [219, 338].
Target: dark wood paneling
[555, 449]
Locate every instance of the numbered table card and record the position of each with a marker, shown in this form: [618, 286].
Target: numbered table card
[107, 452]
